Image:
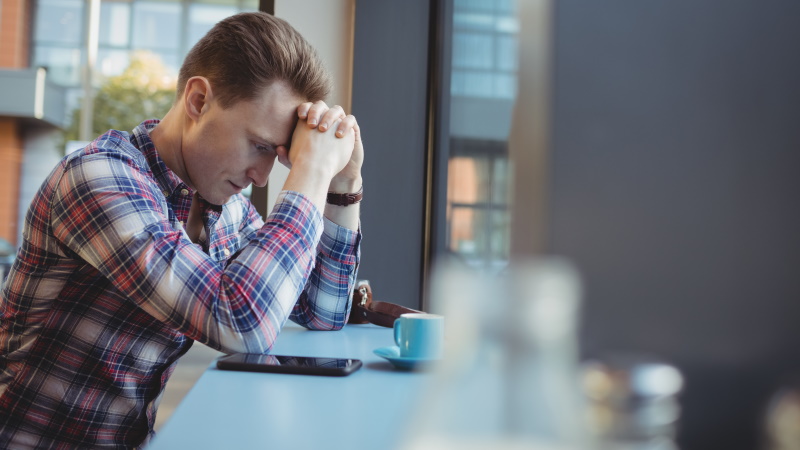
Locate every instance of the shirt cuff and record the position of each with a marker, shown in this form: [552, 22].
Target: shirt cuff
[339, 243]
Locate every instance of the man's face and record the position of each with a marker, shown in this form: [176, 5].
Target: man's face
[228, 149]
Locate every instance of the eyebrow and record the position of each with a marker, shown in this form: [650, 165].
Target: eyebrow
[265, 140]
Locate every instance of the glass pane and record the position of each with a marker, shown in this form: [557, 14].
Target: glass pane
[111, 62]
[157, 25]
[203, 17]
[483, 86]
[471, 186]
[171, 60]
[59, 21]
[115, 19]
[63, 64]
[473, 51]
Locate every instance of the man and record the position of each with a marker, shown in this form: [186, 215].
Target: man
[141, 243]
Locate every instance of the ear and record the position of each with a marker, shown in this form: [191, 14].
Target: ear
[197, 96]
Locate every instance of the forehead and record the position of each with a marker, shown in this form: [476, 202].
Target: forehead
[272, 114]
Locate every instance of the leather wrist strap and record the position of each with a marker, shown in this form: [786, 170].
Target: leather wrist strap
[365, 310]
[345, 199]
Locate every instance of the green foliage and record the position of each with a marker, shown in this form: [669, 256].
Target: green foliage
[144, 90]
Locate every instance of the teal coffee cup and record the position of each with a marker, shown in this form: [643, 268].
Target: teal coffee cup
[419, 335]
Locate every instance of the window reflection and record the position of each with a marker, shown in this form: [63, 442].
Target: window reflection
[483, 86]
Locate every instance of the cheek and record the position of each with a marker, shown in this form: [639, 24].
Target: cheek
[270, 162]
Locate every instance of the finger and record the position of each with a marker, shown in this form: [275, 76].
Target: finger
[315, 113]
[331, 116]
[357, 130]
[302, 110]
[349, 123]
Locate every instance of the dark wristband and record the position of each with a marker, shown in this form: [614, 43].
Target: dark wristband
[345, 199]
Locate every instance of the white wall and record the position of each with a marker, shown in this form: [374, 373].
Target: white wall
[328, 27]
[41, 154]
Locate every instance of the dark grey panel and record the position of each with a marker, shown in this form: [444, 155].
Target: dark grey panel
[18, 97]
[675, 188]
[390, 102]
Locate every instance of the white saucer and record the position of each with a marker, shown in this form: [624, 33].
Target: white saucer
[392, 354]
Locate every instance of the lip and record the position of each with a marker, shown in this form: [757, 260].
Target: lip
[236, 187]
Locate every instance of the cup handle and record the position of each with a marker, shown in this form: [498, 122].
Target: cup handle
[397, 332]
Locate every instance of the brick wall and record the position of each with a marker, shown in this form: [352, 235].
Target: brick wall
[10, 165]
[14, 31]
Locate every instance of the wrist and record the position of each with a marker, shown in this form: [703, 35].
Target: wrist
[312, 167]
[345, 185]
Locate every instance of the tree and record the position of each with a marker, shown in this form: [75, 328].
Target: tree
[144, 90]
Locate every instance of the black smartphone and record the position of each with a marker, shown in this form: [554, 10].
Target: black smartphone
[304, 365]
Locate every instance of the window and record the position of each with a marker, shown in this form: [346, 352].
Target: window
[482, 90]
[166, 29]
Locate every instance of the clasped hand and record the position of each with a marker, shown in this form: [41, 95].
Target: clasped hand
[328, 140]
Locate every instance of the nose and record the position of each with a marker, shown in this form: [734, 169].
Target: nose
[259, 172]
[258, 178]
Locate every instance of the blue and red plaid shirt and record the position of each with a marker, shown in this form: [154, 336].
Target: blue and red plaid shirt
[108, 291]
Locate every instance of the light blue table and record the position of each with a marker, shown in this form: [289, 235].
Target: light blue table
[241, 410]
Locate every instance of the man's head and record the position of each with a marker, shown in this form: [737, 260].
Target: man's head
[238, 91]
[244, 53]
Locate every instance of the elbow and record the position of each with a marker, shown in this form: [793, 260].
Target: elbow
[250, 343]
[317, 324]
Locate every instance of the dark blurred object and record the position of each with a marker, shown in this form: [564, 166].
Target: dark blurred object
[632, 402]
[365, 310]
[782, 418]
[7, 255]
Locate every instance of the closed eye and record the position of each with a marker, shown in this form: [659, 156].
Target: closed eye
[265, 148]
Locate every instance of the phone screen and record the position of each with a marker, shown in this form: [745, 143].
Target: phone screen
[305, 365]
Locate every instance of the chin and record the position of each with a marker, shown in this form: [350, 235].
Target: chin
[219, 201]
[215, 198]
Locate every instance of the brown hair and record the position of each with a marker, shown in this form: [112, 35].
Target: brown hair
[242, 54]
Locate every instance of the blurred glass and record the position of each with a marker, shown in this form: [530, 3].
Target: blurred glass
[509, 378]
[632, 402]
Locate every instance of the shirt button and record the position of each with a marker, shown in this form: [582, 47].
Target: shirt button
[226, 252]
[184, 192]
[181, 222]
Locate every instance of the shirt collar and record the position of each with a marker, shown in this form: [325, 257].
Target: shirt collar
[167, 181]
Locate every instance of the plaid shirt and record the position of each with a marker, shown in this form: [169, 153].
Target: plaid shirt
[108, 291]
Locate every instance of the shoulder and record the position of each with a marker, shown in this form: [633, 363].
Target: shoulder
[114, 147]
[110, 157]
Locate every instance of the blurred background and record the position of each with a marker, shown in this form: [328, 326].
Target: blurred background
[653, 143]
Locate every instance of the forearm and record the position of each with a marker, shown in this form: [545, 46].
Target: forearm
[325, 303]
[243, 305]
[310, 180]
